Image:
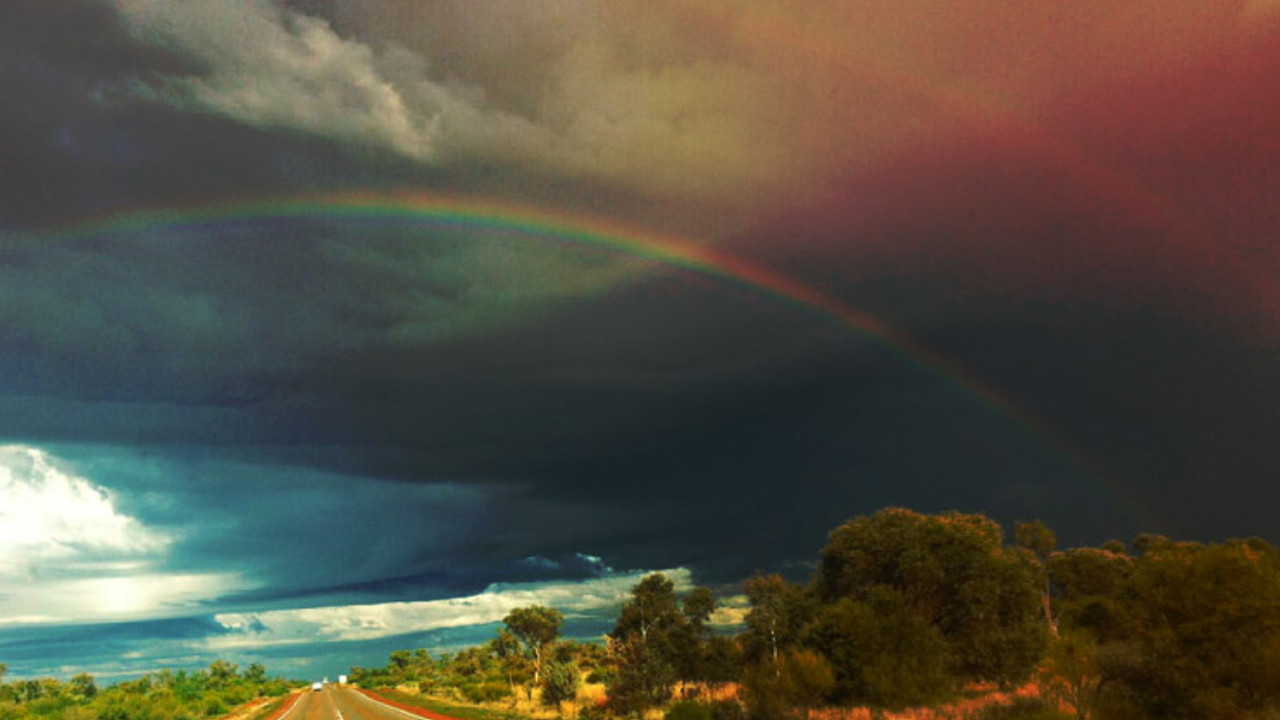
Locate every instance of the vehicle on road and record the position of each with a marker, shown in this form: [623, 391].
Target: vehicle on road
[317, 686]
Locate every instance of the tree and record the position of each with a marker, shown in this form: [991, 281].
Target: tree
[1089, 589]
[84, 686]
[506, 647]
[952, 572]
[400, 660]
[1036, 538]
[689, 637]
[560, 684]
[643, 642]
[537, 627]
[882, 653]
[221, 672]
[1205, 621]
[779, 611]
[808, 679]
[644, 676]
[255, 673]
[1071, 671]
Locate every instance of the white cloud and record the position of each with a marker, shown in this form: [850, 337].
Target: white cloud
[681, 129]
[270, 67]
[52, 515]
[367, 622]
[70, 555]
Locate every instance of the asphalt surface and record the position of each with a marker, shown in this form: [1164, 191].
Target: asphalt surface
[339, 703]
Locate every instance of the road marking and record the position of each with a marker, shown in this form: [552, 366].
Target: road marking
[406, 713]
[338, 712]
[292, 707]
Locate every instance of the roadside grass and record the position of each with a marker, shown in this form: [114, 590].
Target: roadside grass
[264, 710]
[460, 712]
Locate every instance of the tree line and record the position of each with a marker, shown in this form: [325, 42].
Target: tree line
[164, 695]
[908, 609]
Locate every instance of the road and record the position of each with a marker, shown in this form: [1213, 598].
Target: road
[340, 703]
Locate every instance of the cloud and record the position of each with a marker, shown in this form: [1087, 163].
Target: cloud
[367, 622]
[671, 130]
[51, 515]
[75, 556]
[273, 68]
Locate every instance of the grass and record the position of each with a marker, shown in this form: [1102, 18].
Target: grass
[461, 712]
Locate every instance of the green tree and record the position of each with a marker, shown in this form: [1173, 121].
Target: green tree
[779, 612]
[689, 638]
[1089, 590]
[84, 686]
[506, 647]
[255, 673]
[952, 572]
[1036, 538]
[221, 673]
[399, 660]
[643, 678]
[537, 627]
[1072, 673]
[881, 652]
[561, 684]
[1206, 626]
[643, 642]
[808, 679]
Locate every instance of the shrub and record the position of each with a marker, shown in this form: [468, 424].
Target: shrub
[688, 710]
[727, 710]
[485, 692]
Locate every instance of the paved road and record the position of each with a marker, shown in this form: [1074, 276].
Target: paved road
[339, 703]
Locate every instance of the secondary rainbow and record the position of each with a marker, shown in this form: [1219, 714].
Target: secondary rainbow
[666, 249]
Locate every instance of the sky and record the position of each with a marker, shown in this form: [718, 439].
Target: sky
[331, 328]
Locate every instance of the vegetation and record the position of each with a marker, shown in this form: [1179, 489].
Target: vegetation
[165, 695]
[905, 610]
[909, 610]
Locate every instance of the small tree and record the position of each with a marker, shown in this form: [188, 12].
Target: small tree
[778, 612]
[807, 679]
[84, 686]
[560, 684]
[537, 627]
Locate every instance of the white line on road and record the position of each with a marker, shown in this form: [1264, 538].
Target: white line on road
[296, 699]
[406, 713]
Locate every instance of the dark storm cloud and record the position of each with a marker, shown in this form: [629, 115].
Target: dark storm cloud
[335, 411]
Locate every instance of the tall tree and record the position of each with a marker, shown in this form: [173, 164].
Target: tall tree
[1036, 538]
[951, 571]
[643, 641]
[506, 647]
[537, 627]
[779, 612]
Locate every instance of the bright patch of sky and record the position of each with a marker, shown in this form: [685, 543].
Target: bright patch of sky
[68, 554]
[367, 622]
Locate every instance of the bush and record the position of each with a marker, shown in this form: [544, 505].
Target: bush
[593, 712]
[485, 692]
[688, 710]
[727, 710]
[560, 683]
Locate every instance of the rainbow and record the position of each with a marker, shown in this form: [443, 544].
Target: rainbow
[665, 249]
